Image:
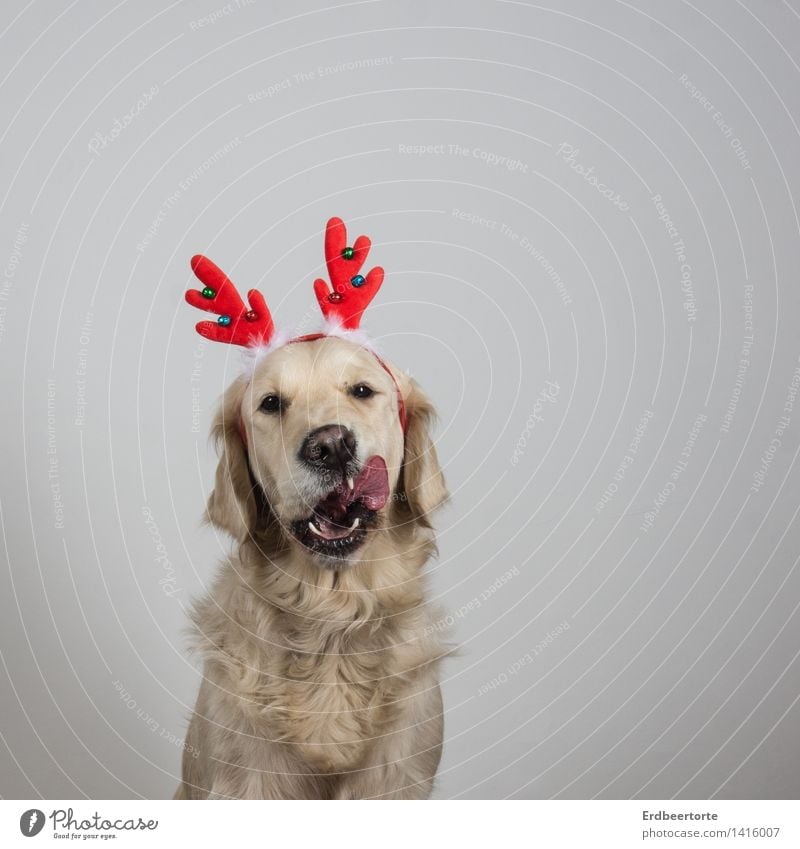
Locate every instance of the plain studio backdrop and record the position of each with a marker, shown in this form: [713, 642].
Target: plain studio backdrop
[588, 216]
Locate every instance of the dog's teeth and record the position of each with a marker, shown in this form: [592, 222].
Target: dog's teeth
[355, 524]
[350, 484]
[313, 528]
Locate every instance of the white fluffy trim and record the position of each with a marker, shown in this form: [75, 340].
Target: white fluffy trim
[251, 357]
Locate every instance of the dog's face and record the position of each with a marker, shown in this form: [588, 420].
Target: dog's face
[325, 451]
[325, 441]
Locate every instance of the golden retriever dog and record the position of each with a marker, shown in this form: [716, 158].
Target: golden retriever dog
[320, 652]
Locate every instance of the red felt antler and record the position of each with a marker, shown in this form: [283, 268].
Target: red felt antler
[237, 324]
[351, 293]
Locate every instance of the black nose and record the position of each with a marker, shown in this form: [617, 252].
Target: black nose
[329, 447]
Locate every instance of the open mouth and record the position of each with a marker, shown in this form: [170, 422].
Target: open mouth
[341, 520]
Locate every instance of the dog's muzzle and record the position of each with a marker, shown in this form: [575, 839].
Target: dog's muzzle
[340, 521]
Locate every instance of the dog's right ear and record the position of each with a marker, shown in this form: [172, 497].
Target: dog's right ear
[232, 505]
[422, 481]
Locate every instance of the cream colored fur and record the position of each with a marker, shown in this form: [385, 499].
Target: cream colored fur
[319, 682]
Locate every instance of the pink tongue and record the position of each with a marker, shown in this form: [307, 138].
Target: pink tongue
[371, 487]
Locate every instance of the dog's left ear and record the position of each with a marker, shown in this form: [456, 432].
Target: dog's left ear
[421, 480]
[232, 505]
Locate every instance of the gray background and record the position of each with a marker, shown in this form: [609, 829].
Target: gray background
[604, 652]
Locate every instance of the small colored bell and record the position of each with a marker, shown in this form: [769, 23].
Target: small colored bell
[251, 315]
[348, 253]
[357, 281]
[224, 320]
[334, 297]
[208, 292]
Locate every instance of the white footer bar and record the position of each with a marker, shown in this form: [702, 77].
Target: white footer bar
[385, 825]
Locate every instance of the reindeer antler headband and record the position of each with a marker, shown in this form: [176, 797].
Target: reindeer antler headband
[251, 326]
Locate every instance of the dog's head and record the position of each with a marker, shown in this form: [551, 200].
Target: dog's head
[313, 453]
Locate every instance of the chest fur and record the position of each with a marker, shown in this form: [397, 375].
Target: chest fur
[335, 703]
[326, 687]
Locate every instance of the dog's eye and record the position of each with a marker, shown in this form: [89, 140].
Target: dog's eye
[271, 404]
[361, 390]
